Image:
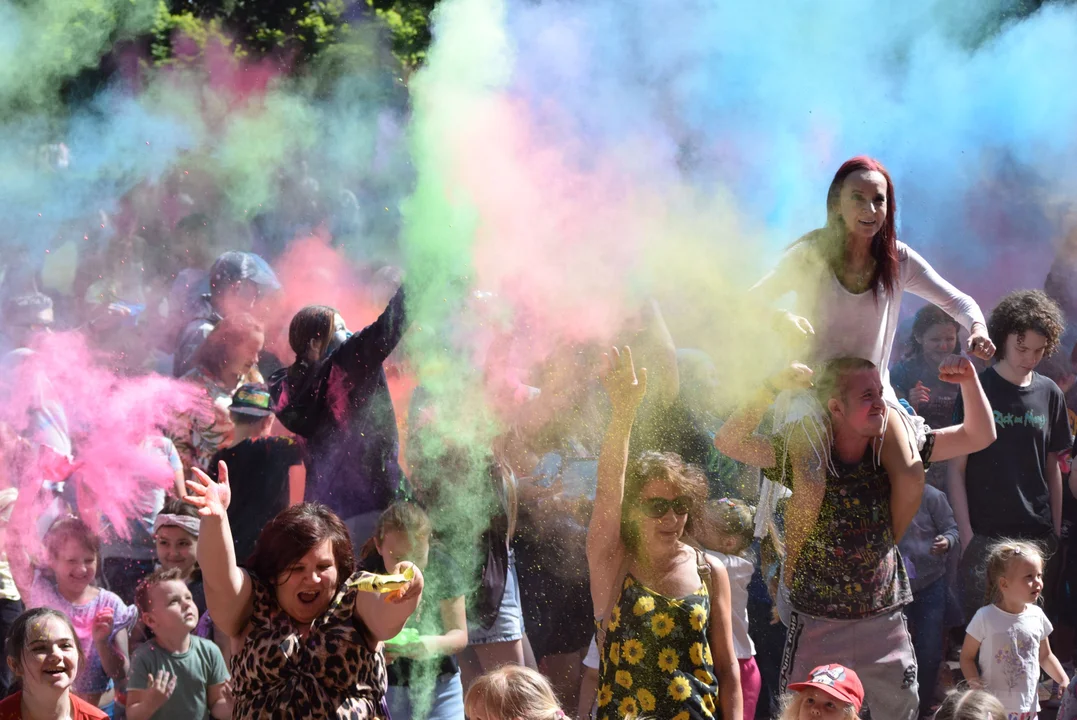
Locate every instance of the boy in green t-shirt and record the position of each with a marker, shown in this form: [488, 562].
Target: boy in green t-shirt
[176, 674]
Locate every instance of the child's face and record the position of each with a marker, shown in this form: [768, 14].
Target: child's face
[50, 660]
[397, 546]
[1024, 352]
[75, 566]
[172, 612]
[817, 705]
[176, 548]
[939, 341]
[1023, 581]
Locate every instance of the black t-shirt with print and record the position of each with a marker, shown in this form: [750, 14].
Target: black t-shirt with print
[1006, 483]
[258, 473]
[849, 567]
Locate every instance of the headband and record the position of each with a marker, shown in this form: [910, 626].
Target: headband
[186, 522]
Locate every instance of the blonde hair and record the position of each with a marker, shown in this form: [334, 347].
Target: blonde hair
[999, 556]
[970, 705]
[513, 692]
[790, 707]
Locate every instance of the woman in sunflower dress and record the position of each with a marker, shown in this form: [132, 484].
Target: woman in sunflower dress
[663, 607]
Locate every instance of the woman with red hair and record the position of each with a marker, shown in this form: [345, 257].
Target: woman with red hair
[849, 278]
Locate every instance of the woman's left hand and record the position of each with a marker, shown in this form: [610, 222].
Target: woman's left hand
[979, 343]
[410, 591]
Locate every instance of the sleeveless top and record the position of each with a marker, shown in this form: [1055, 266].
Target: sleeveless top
[656, 659]
[331, 674]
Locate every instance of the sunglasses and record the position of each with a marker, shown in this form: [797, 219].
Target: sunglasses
[658, 507]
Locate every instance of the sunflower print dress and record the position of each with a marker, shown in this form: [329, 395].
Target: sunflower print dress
[657, 659]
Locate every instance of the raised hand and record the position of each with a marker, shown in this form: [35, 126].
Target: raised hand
[794, 326]
[956, 369]
[624, 386]
[160, 687]
[919, 394]
[409, 591]
[211, 498]
[797, 376]
[101, 630]
[980, 344]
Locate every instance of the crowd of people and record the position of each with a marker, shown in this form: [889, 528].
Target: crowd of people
[861, 535]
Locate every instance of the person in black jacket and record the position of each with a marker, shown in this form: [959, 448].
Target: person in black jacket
[336, 397]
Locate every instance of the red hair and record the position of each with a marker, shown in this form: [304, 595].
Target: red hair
[884, 244]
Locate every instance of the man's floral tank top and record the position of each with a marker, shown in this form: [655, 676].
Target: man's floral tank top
[657, 659]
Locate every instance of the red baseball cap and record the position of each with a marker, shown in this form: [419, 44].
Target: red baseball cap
[837, 681]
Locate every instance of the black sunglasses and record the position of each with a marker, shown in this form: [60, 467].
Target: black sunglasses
[658, 507]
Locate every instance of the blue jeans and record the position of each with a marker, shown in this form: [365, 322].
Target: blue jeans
[447, 700]
[925, 615]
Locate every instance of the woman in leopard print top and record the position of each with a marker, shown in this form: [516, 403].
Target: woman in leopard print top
[309, 641]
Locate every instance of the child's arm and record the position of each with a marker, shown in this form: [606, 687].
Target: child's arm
[114, 660]
[1054, 488]
[297, 483]
[143, 704]
[1049, 664]
[969, 650]
[737, 438]
[960, 499]
[220, 701]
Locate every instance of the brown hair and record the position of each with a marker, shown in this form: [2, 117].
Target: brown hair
[1025, 310]
[999, 556]
[926, 318]
[71, 528]
[403, 517]
[687, 479]
[314, 322]
[230, 332]
[513, 692]
[292, 534]
[158, 576]
[18, 636]
[830, 379]
[970, 705]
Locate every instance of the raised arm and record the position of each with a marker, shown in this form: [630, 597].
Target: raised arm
[384, 615]
[923, 281]
[605, 549]
[977, 430]
[369, 347]
[737, 437]
[228, 587]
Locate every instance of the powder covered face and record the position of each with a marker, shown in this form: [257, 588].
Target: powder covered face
[861, 407]
[938, 341]
[75, 567]
[661, 531]
[863, 203]
[51, 659]
[396, 547]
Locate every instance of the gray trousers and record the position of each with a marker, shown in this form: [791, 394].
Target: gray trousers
[879, 649]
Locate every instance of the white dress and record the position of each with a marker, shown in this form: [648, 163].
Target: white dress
[1010, 654]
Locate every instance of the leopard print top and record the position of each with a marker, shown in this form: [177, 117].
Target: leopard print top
[332, 674]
